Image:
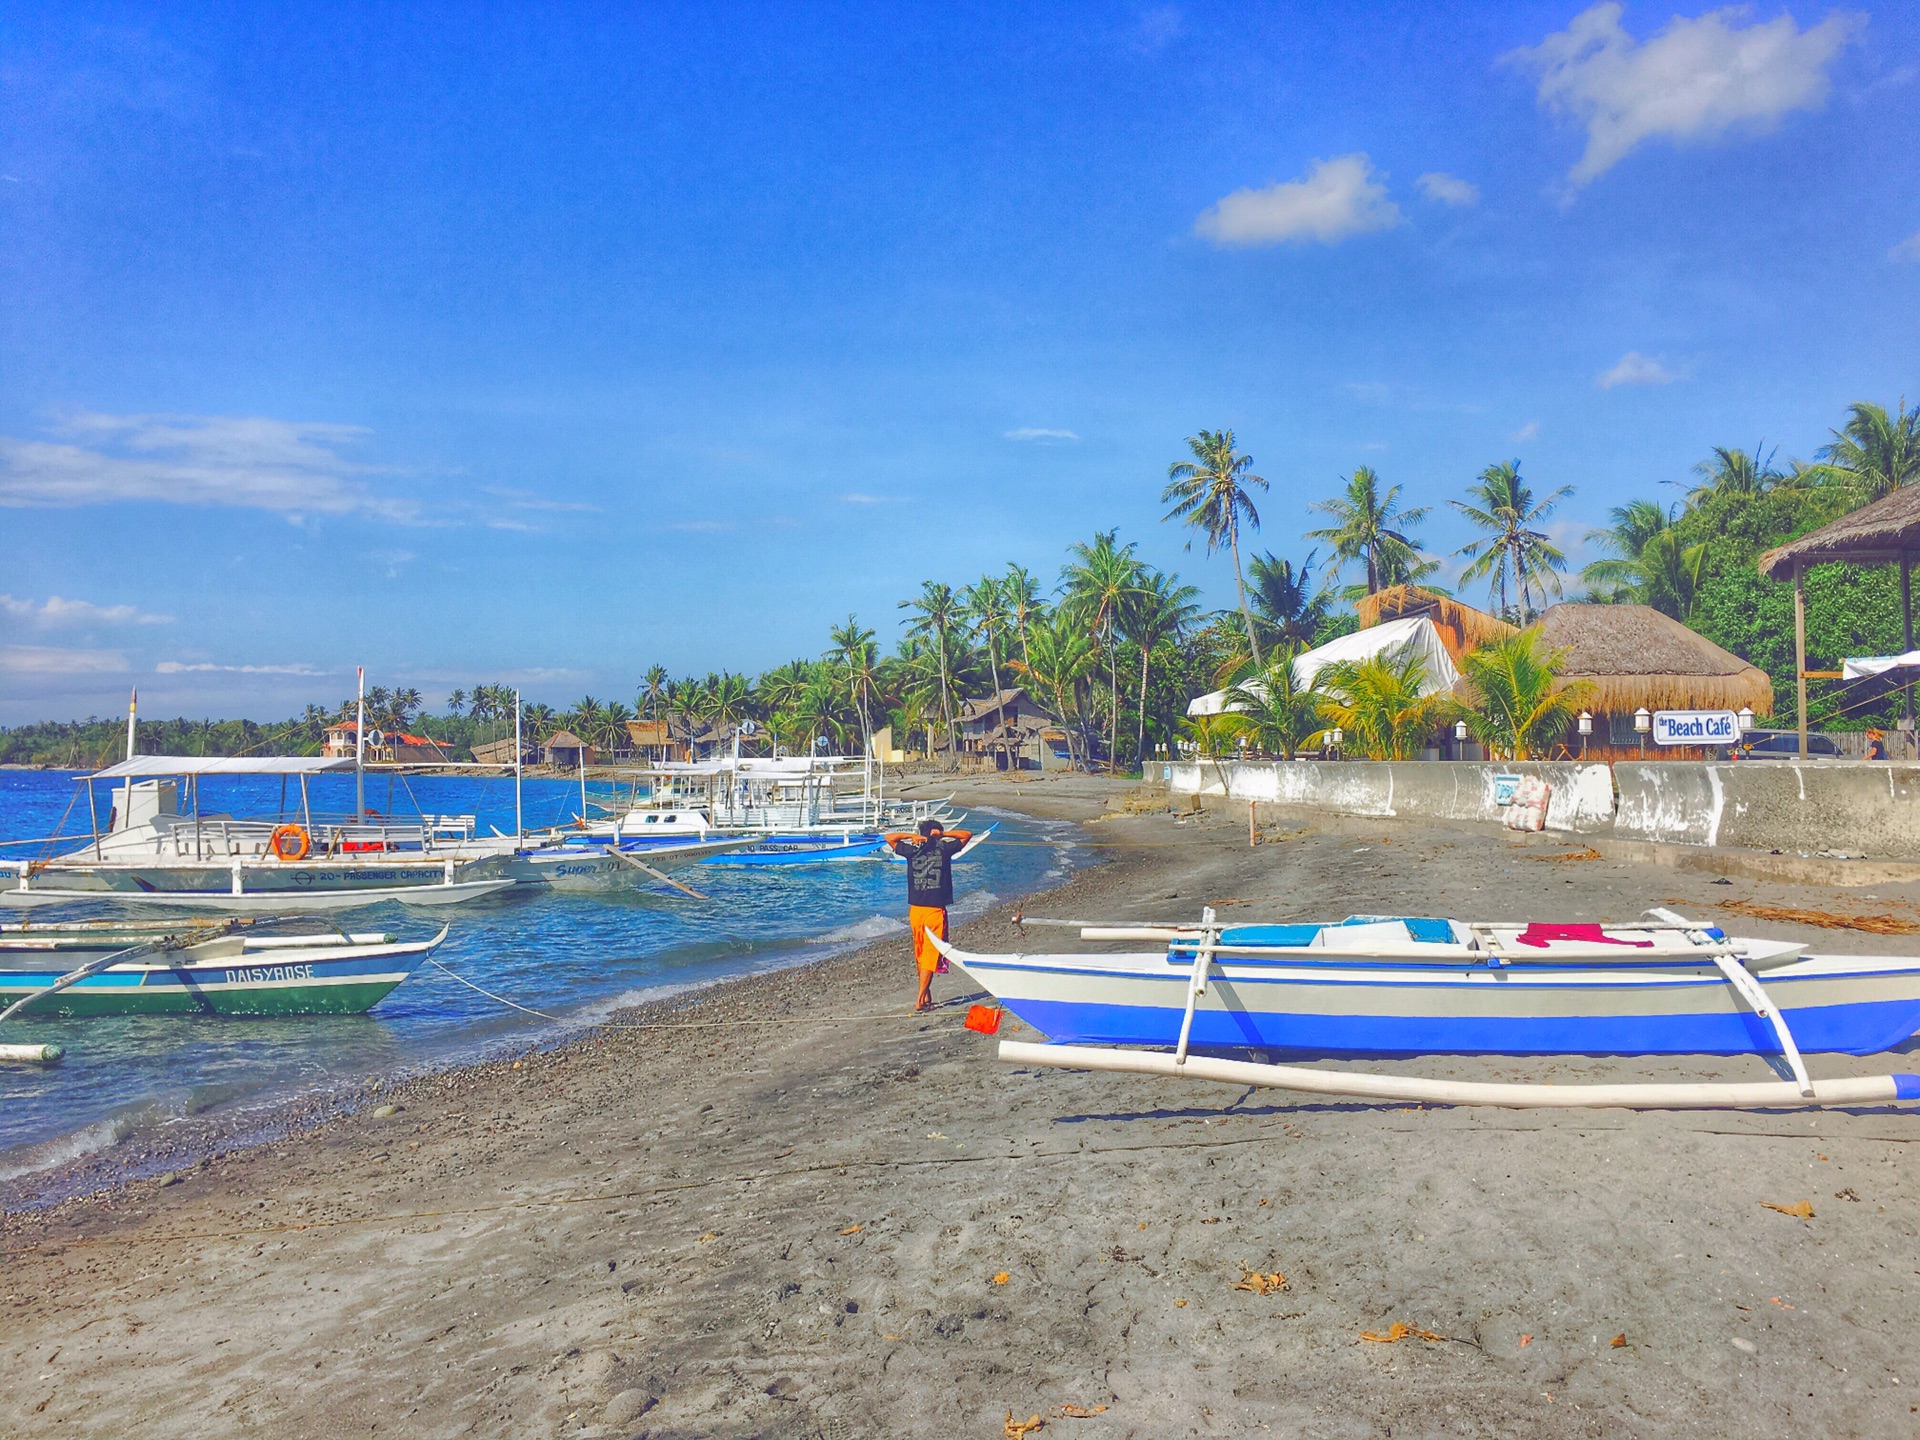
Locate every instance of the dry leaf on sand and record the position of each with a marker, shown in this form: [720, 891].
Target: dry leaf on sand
[1525, 1340]
[1002, 1278]
[1396, 1332]
[1801, 1210]
[1619, 1341]
[1079, 1412]
[1020, 1429]
[1263, 1284]
[853, 1230]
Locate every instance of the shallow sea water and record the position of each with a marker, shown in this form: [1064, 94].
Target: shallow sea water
[575, 958]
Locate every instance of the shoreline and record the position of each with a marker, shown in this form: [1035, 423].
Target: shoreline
[798, 1210]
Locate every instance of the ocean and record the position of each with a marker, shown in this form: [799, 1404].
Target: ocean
[573, 958]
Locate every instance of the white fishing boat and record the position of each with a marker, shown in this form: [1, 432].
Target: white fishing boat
[1379, 986]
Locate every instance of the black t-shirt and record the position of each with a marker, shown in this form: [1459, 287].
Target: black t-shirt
[930, 866]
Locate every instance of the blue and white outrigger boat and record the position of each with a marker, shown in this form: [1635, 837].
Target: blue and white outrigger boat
[1376, 986]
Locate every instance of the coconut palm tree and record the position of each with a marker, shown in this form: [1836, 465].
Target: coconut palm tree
[1021, 592]
[1288, 608]
[1369, 526]
[1875, 452]
[1158, 610]
[1277, 712]
[1649, 565]
[1378, 703]
[1735, 472]
[936, 612]
[1211, 492]
[1060, 657]
[1512, 545]
[653, 692]
[1517, 709]
[1634, 524]
[985, 605]
[1095, 583]
[856, 657]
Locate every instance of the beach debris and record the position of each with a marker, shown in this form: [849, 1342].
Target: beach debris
[710, 1235]
[1261, 1284]
[984, 1018]
[1001, 1278]
[1397, 1332]
[1079, 1412]
[853, 1230]
[1775, 1299]
[381, 1112]
[1020, 1429]
[1882, 924]
[1800, 1209]
[1846, 1194]
[1588, 853]
[1179, 1304]
[1619, 1342]
[1525, 1340]
[1741, 1343]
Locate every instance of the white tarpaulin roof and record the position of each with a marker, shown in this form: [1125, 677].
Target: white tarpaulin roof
[141, 765]
[1396, 639]
[1867, 666]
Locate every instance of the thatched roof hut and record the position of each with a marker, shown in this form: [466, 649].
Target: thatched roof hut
[1461, 627]
[1883, 533]
[1633, 656]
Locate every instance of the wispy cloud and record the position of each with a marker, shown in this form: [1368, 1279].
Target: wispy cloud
[858, 497]
[1633, 368]
[55, 612]
[1528, 431]
[1335, 199]
[197, 667]
[530, 500]
[1038, 432]
[1448, 189]
[51, 660]
[252, 462]
[393, 560]
[1695, 80]
[701, 527]
[1907, 249]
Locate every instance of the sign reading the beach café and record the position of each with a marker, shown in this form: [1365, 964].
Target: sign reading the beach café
[1695, 727]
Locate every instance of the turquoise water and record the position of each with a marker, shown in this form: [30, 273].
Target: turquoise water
[574, 957]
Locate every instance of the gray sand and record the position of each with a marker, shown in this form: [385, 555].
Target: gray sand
[838, 1225]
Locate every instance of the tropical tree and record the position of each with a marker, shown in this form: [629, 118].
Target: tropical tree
[1512, 546]
[587, 718]
[1158, 610]
[1519, 707]
[1211, 492]
[936, 611]
[1650, 563]
[855, 654]
[1095, 583]
[1276, 712]
[456, 702]
[1060, 656]
[1875, 452]
[1634, 524]
[1371, 527]
[1378, 703]
[985, 605]
[1735, 472]
[653, 692]
[1021, 593]
[1288, 608]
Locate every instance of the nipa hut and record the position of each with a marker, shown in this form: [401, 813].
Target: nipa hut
[1462, 628]
[1632, 657]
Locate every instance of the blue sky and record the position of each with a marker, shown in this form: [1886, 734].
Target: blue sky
[539, 346]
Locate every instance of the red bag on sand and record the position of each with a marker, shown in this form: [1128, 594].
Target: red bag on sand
[984, 1018]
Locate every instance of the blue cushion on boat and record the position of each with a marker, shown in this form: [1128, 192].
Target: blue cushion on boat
[1269, 935]
[1425, 930]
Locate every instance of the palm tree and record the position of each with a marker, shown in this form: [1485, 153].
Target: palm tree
[456, 702]
[1288, 610]
[855, 653]
[1735, 472]
[1158, 610]
[1378, 703]
[1634, 524]
[1210, 492]
[1648, 565]
[1021, 592]
[937, 612]
[1276, 712]
[653, 691]
[1517, 709]
[586, 718]
[1876, 452]
[1370, 526]
[1508, 513]
[1060, 657]
[985, 604]
[1095, 583]
[1671, 574]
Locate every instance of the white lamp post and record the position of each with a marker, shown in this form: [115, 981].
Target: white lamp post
[1745, 718]
[1642, 723]
[1586, 731]
[1336, 735]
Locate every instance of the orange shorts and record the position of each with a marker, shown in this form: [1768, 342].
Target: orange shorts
[924, 920]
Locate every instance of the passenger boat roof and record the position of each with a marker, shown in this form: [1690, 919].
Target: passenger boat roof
[146, 765]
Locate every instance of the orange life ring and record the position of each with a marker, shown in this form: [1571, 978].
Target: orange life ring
[289, 842]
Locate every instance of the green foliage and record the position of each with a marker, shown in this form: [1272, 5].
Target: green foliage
[1276, 712]
[1516, 711]
[1378, 703]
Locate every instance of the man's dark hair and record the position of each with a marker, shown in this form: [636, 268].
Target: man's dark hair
[929, 827]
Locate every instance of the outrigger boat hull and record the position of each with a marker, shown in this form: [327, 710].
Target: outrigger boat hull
[289, 898]
[1441, 1003]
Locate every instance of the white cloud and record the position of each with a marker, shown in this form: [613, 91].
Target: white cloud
[1035, 432]
[1528, 431]
[1337, 198]
[702, 527]
[859, 497]
[294, 467]
[1448, 189]
[530, 500]
[1633, 368]
[56, 611]
[1694, 80]
[49, 660]
[1907, 249]
[196, 667]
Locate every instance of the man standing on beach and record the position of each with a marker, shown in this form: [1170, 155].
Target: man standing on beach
[929, 856]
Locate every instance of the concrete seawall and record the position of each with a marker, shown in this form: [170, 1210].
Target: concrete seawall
[1854, 808]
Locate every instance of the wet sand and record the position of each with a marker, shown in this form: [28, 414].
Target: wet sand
[784, 1207]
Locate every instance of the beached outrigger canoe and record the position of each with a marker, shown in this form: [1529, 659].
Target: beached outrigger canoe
[198, 968]
[1390, 986]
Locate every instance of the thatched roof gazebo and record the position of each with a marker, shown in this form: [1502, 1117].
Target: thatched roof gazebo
[1633, 657]
[1887, 532]
[1462, 628]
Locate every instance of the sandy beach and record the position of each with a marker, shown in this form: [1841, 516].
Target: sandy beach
[785, 1207]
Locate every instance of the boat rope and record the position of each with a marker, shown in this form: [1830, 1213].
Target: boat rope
[698, 1024]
